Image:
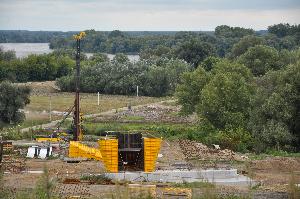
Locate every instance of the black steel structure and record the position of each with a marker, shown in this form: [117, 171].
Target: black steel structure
[77, 126]
[130, 150]
[77, 134]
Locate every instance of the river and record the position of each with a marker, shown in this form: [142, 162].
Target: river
[24, 49]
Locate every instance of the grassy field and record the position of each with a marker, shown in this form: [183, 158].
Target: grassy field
[37, 111]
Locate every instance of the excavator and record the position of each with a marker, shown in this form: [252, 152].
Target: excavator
[77, 129]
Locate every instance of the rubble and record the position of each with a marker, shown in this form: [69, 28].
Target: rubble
[150, 113]
[195, 150]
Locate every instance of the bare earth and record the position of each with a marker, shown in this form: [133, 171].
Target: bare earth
[273, 173]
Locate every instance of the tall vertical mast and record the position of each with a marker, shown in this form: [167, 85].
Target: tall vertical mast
[77, 131]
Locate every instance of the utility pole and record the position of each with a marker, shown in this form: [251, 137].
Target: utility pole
[77, 131]
[50, 109]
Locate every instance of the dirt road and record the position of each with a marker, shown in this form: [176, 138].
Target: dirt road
[112, 111]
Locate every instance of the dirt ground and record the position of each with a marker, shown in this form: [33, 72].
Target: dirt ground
[163, 112]
[41, 87]
[273, 173]
[57, 168]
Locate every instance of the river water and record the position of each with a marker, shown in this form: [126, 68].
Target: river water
[24, 49]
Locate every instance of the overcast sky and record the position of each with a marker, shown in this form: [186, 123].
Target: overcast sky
[69, 15]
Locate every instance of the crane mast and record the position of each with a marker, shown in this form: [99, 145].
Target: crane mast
[77, 134]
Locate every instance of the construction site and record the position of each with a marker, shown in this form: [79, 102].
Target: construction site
[134, 162]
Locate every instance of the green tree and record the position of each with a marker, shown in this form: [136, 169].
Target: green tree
[209, 62]
[119, 76]
[189, 90]
[261, 59]
[7, 56]
[244, 44]
[225, 100]
[227, 31]
[275, 113]
[194, 51]
[99, 57]
[12, 99]
[281, 30]
[116, 33]
[120, 58]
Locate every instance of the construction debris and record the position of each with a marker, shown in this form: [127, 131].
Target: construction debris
[139, 190]
[72, 191]
[195, 150]
[39, 152]
[150, 113]
[10, 163]
[177, 192]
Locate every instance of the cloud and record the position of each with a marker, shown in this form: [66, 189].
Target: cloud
[145, 14]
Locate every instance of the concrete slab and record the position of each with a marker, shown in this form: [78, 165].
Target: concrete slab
[224, 177]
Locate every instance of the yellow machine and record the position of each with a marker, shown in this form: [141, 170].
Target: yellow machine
[123, 151]
[41, 139]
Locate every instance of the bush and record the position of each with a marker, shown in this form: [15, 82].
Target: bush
[12, 98]
[235, 139]
[119, 76]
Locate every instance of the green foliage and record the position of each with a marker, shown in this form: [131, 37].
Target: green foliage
[116, 33]
[209, 63]
[45, 186]
[282, 30]
[281, 153]
[244, 44]
[24, 36]
[12, 98]
[159, 51]
[119, 76]
[7, 56]
[225, 100]
[274, 119]
[261, 59]
[120, 58]
[222, 101]
[98, 57]
[36, 67]
[235, 139]
[14, 133]
[170, 131]
[194, 52]
[189, 91]
[227, 31]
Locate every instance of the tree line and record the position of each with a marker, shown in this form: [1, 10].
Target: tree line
[155, 77]
[35, 67]
[279, 36]
[244, 87]
[24, 36]
[249, 102]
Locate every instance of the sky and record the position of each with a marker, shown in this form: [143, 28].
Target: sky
[147, 15]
